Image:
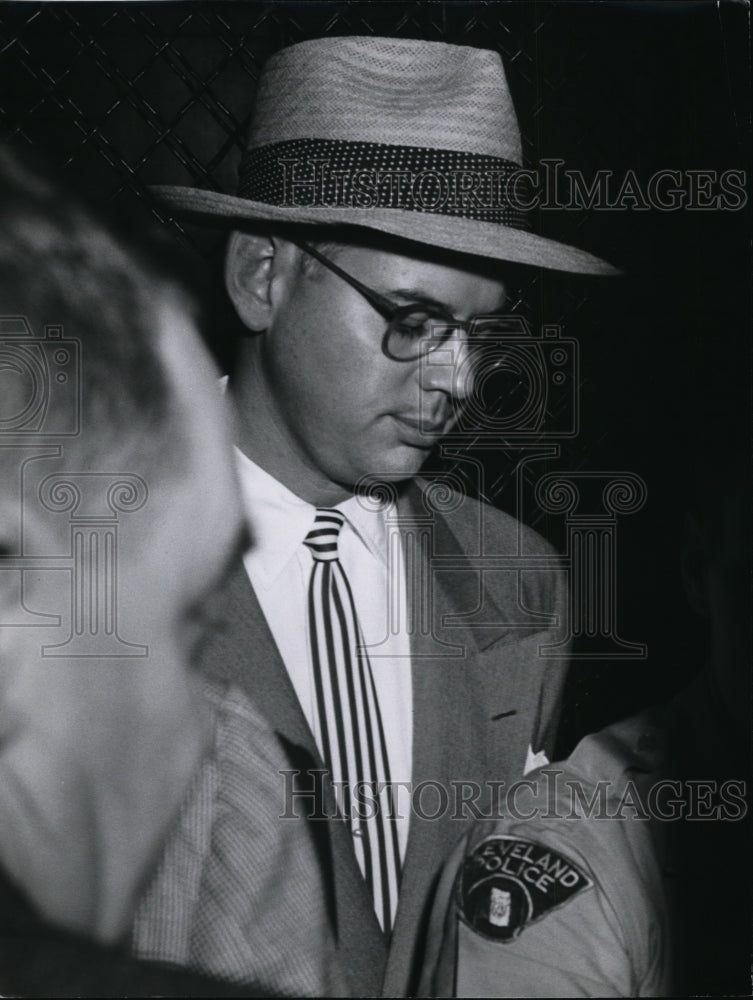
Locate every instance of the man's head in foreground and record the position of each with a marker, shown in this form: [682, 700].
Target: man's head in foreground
[95, 750]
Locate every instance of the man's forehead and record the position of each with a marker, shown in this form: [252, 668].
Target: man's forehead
[455, 282]
[338, 240]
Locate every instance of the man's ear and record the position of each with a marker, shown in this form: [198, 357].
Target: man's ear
[249, 267]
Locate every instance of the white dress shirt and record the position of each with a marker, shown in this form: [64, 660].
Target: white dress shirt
[279, 567]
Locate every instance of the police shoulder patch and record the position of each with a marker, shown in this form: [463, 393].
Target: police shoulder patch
[507, 883]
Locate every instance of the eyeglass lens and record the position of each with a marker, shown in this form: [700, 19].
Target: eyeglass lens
[417, 330]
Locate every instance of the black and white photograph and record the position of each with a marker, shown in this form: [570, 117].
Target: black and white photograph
[375, 508]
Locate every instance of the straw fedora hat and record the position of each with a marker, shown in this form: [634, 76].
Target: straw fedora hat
[415, 139]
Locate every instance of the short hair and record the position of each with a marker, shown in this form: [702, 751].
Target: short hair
[63, 266]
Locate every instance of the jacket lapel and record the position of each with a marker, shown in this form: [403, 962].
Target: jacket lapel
[450, 727]
[243, 651]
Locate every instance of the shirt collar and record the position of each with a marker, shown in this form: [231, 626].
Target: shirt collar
[278, 521]
[368, 524]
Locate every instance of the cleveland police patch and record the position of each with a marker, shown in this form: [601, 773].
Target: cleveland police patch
[507, 883]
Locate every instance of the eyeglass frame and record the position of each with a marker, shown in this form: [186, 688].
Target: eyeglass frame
[389, 310]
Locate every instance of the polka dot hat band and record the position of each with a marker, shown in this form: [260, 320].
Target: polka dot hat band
[414, 139]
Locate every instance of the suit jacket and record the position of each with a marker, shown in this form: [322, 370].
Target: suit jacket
[483, 692]
[38, 959]
[214, 902]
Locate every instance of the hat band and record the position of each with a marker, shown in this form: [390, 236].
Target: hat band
[334, 173]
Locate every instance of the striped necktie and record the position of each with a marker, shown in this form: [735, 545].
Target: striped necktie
[352, 735]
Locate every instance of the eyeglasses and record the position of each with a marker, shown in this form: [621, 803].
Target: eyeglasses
[413, 329]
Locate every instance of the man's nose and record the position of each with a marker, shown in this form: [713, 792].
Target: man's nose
[449, 367]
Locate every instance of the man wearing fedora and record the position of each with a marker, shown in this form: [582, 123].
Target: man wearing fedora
[375, 222]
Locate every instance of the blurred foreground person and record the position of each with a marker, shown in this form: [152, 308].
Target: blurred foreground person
[119, 515]
[626, 869]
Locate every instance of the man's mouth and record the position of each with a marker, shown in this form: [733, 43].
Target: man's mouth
[421, 431]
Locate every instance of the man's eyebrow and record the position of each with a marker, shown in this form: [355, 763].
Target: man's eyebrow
[417, 295]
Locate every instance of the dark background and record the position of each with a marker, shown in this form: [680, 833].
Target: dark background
[121, 95]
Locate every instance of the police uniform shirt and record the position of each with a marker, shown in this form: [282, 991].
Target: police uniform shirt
[551, 902]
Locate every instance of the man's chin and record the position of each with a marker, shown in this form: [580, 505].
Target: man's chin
[399, 465]
[406, 461]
